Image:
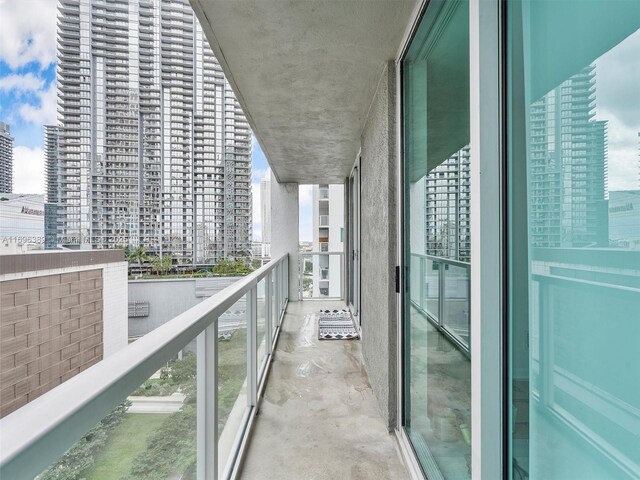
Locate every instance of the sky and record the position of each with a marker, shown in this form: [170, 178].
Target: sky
[28, 99]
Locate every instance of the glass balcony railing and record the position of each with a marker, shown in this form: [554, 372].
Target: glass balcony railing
[177, 403]
[320, 275]
[441, 292]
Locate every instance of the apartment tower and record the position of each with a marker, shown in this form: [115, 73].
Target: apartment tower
[265, 214]
[6, 159]
[569, 166]
[328, 236]
[154, 149]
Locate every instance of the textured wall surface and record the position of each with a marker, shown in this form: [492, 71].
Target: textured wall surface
[51, 329]
[378, 250]
[285, 235]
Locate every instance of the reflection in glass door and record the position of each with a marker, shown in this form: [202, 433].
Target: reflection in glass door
[436, 250]
[574, 210]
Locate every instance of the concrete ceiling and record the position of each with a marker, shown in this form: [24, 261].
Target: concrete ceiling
[305, 72]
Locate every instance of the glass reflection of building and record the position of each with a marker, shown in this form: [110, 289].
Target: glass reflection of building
[447, 206]
[568, 152]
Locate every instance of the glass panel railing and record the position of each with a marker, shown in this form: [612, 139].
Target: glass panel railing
[152, 434]
[233, 405]
[431, 287]
[165, 427]
[261, 325]
[320, 275]
[456, 302]
[443, 295]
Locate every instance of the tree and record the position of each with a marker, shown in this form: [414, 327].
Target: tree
[139, 255]
[226, 266]
[161, 264]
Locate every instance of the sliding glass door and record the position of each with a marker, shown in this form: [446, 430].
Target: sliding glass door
[436, 250]
[574, 239]
[353, 242]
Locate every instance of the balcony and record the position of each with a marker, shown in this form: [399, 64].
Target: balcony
[251, 352]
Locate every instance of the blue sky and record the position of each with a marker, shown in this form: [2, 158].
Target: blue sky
[28, 99]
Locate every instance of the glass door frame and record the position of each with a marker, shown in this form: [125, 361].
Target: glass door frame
[353, 243]
[488, 236]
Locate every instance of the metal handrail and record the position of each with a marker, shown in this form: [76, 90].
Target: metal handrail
[320, 253]
[37, 434]
[450, 261]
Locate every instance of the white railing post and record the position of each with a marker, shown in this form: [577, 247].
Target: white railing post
[301, 268]
[268, 309]
[252, 346]
[207, 403]
[422, 282]
[278, 274]
[286, 279]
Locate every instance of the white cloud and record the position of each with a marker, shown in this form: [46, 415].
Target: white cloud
[21, 83]
[305, 194]
[28, 170]
[28, 32]
[45, 113]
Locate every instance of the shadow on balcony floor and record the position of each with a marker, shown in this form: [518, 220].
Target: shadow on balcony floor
[319, 418]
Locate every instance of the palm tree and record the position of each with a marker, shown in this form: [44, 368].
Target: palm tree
[139, 255]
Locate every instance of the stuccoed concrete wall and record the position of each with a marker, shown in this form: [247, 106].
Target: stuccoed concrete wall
[378, 246]
[285, 221]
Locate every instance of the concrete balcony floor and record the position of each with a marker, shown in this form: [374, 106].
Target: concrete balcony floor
[318, 418]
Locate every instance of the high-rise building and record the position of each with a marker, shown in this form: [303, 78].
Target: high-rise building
[447, 203]
[328, 236]
[51, 163]
[154, 149]
[265, 213]
[6, 159]
[569, 166]
[51, 186]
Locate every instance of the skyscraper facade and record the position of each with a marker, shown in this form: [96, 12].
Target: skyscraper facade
[154, 149]
[51, 187]
[6, 159]
[50, 163]
[568, 166]
[265, 214]
[447, 203]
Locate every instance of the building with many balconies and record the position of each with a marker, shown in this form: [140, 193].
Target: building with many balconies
[153, 146]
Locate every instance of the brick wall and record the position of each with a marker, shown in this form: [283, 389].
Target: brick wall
[50, 330]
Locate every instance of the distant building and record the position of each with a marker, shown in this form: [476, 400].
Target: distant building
[57, 320]
[51, 137]
[6, 159]
[265, 214]
[328, 236]
[447, 208]
[21, 223]
[624, 211]
[568, 166]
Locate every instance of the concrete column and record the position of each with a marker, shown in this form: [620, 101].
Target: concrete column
[285, 234]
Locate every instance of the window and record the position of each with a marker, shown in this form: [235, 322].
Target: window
[574, 257]
[437, 370]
